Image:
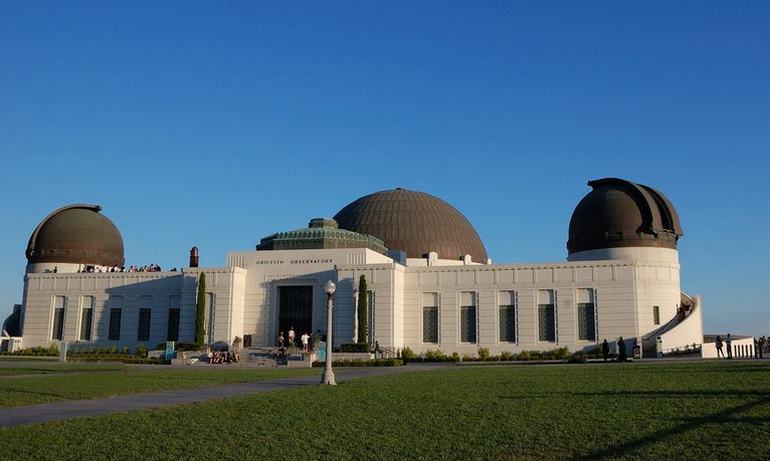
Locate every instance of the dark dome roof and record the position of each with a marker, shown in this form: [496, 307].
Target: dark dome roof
[619, 213]
[76, 234]
[414, 222]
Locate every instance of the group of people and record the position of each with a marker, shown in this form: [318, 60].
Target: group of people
[761, 345]
[622, 353]
[102, 269]
[218, 358]
[147, 268]
[306, 341]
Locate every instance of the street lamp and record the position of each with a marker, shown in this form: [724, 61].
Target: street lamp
[328, 376]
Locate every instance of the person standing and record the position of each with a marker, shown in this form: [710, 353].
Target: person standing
[720, 352]
[605, 349]
[729, 344]
[292, 337]
[305, 340]
[280, 340]
[621, 350]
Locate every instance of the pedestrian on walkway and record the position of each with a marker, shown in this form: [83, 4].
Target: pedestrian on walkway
[605, 349]
[729, 344]
[621, 350]
[720, 352]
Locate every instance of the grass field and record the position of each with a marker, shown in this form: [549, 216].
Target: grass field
[86, 381]
[699, 411]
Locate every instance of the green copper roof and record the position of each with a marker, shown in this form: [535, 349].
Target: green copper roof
[320, 233]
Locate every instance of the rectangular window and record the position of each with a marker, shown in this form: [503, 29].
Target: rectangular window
[586, 312]
[173, 325]
[172, 330]
[508, 316]
[143, 334]
[468, 317]
[430, 318]
[86, 318]
[59, 303]
[114, 333]
[546, 316]
[656, 315]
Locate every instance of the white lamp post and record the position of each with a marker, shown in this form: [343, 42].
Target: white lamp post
[328, 376]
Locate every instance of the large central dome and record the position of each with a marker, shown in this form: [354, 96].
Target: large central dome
[414, 222]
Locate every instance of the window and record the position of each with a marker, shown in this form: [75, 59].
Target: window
[468, 317]
[144, 325]
[586, 312]
[59, 303]
[172, 333]
[430, 317]
[86, 318]
[114, 333]
[508, 316]
[546, 316]
[656, 315]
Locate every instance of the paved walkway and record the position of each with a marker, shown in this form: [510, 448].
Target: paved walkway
[70, 409]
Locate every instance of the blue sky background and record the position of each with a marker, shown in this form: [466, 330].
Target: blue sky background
[217, 123]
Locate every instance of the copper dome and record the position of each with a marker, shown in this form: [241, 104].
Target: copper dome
[619, 213]
[414, 222]
[76, 234]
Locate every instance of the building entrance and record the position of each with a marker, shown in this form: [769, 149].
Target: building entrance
[295, 309]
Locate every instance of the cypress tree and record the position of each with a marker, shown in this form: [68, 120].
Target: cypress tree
[200, 310]
[363, 294]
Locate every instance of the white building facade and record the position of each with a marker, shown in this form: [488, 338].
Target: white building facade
[437, 290]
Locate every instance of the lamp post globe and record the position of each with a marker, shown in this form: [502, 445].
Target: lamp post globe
[328, 374]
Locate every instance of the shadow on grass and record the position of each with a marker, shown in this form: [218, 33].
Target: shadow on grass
[688, 424]
[631, 394]
[46, 394]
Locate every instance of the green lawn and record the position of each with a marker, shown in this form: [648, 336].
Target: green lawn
[55, 368]
[86, 381]
[696, 411]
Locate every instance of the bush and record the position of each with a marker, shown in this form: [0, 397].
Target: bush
[408, 355]
[577, 357]
[37, 351]
[483, 353]
[141, 350]
[364, 363]
[184, 347]
[435, 355]
[354, 347]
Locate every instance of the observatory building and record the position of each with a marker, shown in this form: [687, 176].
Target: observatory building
[430, 282]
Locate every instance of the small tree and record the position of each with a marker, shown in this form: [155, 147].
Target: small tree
[363, 294]
[200, 310]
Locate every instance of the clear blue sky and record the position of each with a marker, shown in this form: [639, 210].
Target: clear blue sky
[217, 123]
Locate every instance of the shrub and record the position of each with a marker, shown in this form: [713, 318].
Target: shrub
[187, 347]
[483, 353]
[364, 363]
[560, 353]
[354, 347]
[456, 357]
[507, 356]
[577, 357]
[435, 355]
[407, 354]
[37, 351]
[141, 350]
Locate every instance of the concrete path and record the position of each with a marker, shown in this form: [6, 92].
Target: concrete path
[69, 409]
